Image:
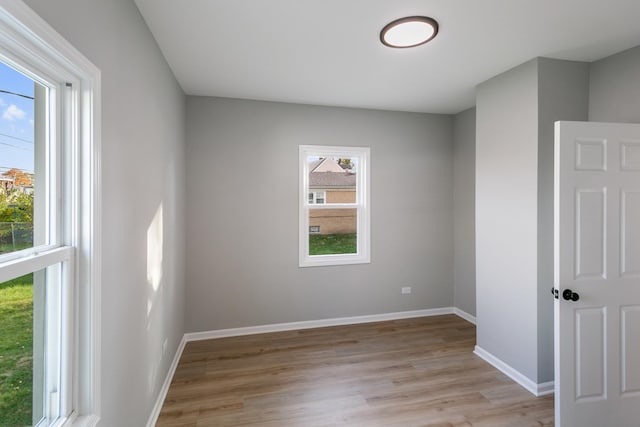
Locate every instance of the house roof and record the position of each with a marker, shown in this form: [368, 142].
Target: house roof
[332, 180]
[313, 165]
[325, 165]
[19, 177]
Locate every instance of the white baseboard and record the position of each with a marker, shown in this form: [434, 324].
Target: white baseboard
[466, 316]
[547, 388]
[155, 413]
[291, 326]
[308, 324]
[536, 389]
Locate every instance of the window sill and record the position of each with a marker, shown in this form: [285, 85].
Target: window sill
[330, 260]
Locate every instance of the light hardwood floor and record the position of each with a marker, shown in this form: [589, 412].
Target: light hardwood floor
[413, 372]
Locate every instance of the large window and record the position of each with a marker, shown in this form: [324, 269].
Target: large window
[49, 231]
[334, 205]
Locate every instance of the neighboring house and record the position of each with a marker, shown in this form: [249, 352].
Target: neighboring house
[16, 178]
[6, 183]
[330, 183]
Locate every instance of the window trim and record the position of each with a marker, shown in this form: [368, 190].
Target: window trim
[362, 204]
[27, 39]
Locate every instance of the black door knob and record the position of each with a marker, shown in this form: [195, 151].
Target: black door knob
[569, 295]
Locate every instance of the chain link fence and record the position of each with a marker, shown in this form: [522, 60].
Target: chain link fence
[15, 236]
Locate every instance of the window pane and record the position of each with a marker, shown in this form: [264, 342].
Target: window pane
[29, 340]
[332, 179]
[22, 162]
[16, 351]
[23, 304]
[333, 231]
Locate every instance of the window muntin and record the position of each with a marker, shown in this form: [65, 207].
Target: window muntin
[334, 205]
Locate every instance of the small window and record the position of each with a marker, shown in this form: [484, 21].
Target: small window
[317, 198]
[334, 205]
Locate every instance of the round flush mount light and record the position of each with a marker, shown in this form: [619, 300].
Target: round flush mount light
[409, 32]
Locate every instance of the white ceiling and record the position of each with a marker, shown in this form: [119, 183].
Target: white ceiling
[327, 52]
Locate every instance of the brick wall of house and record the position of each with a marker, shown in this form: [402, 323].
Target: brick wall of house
[333, 221]
[341, 196]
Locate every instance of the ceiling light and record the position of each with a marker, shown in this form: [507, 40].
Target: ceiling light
[409, 32]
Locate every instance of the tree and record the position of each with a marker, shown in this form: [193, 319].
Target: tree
[345, 163]
[16, 218]
[16, 206]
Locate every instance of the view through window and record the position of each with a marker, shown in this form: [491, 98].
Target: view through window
[17, 188]
[332, 181]
[17, 160]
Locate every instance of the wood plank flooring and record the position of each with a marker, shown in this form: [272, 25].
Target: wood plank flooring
[412, 372]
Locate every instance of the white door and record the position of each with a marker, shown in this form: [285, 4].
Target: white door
[597, 274]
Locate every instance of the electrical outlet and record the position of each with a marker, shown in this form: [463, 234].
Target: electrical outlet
[406, 290]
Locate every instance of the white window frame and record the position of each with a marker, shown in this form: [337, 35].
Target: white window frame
[29, 43]
[362, 205]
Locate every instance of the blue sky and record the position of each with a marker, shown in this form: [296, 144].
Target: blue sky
[16, 121]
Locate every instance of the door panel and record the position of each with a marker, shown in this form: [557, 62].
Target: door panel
[597, 257]
[591, 154]
[630, 322]
[590, 233]
[630, 160]
[630, 233]
[591, 369]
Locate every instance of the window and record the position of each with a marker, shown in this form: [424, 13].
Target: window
[334, 205]
[49, 225]
[317, 197]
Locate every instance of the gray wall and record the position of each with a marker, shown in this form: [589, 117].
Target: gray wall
[464, 211]
[242, 216]
[514, 199]
[615, 88]
[142, 169]
[563, 94]
[506, 216]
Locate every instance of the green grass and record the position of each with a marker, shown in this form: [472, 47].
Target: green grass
[8, 247]
[16, 348]
[327, 244]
